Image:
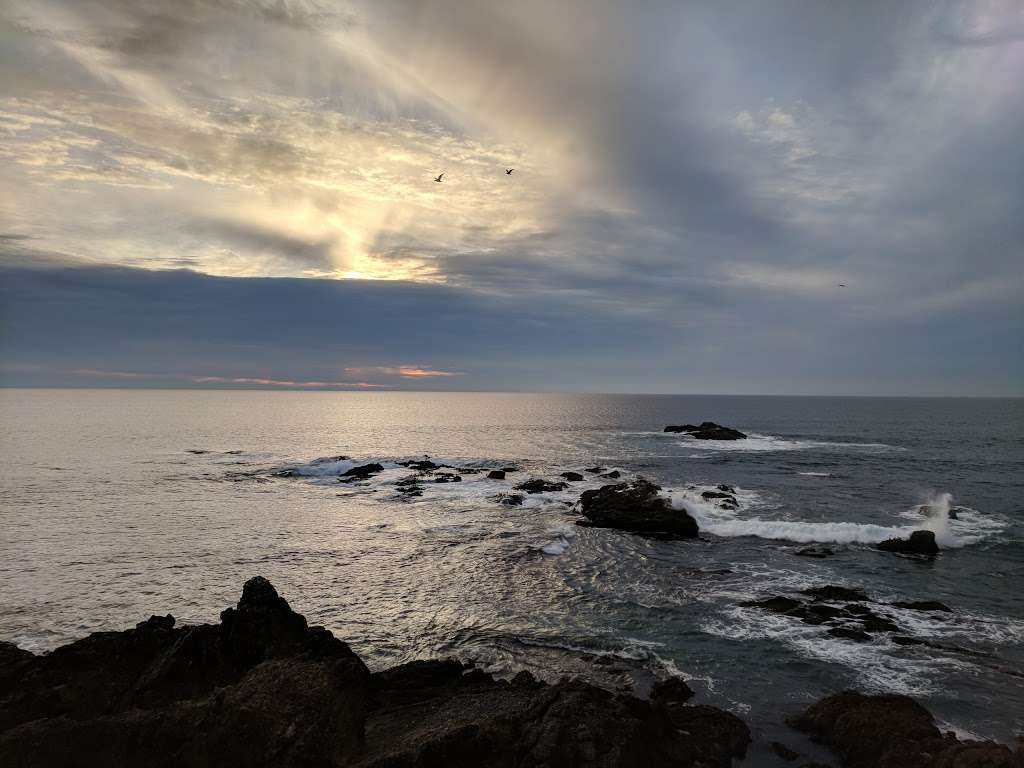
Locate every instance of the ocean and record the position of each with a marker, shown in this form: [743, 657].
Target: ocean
[117, 504]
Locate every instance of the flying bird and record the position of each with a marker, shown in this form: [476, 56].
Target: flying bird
[508, 171]
[439, 177]
[842, 285]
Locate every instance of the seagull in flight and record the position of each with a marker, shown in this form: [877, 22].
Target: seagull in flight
[842, 285]
[440, 176]
[508, 171]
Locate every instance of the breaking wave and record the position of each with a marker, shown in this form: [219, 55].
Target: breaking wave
[968, 527]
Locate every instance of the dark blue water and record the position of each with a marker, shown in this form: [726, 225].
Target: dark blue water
[108, 517]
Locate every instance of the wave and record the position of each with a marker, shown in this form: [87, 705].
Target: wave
[756, 443]
[949, 533]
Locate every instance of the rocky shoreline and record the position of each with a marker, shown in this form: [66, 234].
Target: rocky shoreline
[262, 688]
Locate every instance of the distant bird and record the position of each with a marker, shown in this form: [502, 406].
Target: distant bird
[439, 177]
[508, 171]
[842, 285]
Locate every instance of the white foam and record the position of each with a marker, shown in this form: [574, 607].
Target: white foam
[729, 524]
[757, 443]
[815, 474]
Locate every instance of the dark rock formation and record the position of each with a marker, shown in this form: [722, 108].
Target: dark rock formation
[595, 470]
[509, 469]
[538, 485]
[783, 751]
[919, 543]
[894, 732]
[672, 689]
[717, 495]
[510, 499]
[361, 472]
[613, 475]
[263, 689]
[636, 507]
[707, 430]
[820, 551]
[572, 477]
[852, 621]
[423, 465]
[837, 594]
[496, 474]
[447, 478]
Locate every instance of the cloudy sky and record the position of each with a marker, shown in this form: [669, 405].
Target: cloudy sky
[240, 193]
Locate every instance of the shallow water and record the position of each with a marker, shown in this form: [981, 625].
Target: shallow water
[119, 504]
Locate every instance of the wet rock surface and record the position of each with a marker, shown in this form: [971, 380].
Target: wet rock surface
[262, 688]
[707, 430]
[539, 485]
[854, 619]
[635, 507]
[894, 732]
[918, 543]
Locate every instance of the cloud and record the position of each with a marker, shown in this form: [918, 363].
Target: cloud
[680, 167]
[405, 371]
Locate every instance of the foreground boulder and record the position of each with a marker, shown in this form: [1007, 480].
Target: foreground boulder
[262, 688]
[707, 430]
[918, 543]
[638, 508]
[894, 732]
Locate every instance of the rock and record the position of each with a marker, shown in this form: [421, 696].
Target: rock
[496, 474]
[849, 633]
[635, 507]
[595, 470]
[783, 751]
[923, 605]
[873, 623]
[538, 485]
[834, 593]
[510, 499]
[815, 551]
[892, 731]
[157, 622]
[708, 430]
[572, 477]
[447, 478]
[509, 469]
[613, 475]
[726, 489]
[717, 495]
[776, 604]
[919, 543]
[362, 471]
[263, 689]
[424, 465]
[672, 689]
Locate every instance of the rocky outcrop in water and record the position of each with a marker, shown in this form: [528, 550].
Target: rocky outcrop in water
[262, 688]
[918, 543]
[361, 472]
[638, 508]
[539, 485]
[895, 732]
[707, 430]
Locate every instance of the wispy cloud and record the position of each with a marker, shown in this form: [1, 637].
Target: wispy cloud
[240, 380]
[405, 371]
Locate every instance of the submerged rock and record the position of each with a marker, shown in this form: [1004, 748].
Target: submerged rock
[918, 543]
[510, 499]
[708, 430]
[892, 731]
[263, 689]
[362, 471]
[447, 478]
[496, 474]
[572, 477]
[595, 470]
[613, 475]
[638, 508]
[819, 551]
[539, 485]
[837, 593]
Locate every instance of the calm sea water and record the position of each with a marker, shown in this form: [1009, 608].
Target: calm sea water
[119, 504]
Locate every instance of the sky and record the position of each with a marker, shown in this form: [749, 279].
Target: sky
[240, 193]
